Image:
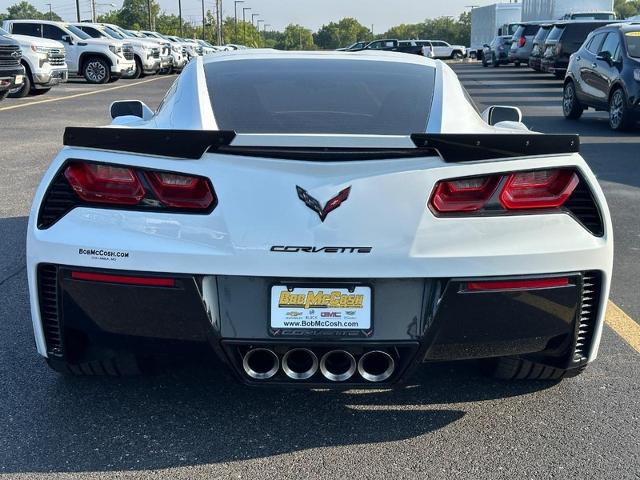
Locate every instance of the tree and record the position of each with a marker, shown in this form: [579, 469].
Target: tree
[247, 34]
[626, 9]
[341, 34]
[296, 37]
[24, 10]
[134, 14]
[404, 31]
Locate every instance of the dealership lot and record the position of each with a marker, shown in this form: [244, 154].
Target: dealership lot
[450, 421]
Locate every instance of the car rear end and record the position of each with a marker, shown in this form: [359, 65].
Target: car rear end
[535, 58]
[320, 243]
[522, 43]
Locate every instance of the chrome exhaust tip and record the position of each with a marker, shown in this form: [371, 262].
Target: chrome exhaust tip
[376, 366]
[260, 363]
[300, 363]
[338, 365]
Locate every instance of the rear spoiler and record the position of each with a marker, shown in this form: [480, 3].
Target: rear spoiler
[192, 144]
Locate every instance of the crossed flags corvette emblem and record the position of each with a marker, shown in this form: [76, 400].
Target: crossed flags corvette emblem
[314, 204]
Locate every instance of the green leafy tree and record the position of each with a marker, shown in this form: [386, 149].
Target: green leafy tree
[341, 34]
[134, 14]
[296, 37]
[404, 31]
[625, 9]
[24, 10]
[109, 17]
[247, 34]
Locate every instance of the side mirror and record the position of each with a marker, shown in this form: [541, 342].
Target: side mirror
[134, 108]
[67, 39]
[605, 56]
[500, 113]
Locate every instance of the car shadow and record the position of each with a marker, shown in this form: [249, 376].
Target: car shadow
[196, 415]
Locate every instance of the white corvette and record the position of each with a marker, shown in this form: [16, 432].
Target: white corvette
[319, 218]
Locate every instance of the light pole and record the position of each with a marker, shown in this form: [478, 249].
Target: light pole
[258, 28]
[203, 21]
[180, 15]
[264, 29]
[244, 20]
[235, 23]
[78, 10]
[50, 14]
[149, 10]
[253, 15]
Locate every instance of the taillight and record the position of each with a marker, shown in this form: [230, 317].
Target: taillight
[558, 48]
[509, 191]
[181, 191]
[538, 189]
[483, 286]
[521, 42]
[463, 195]
[148, 189]
[104, 183]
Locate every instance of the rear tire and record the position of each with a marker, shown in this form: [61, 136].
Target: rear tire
[457, 55]
[571, 106]
[511, 368]
[96, 71]
[517, 64]
[484, 62]
[126, 365]
[23, 90]
[3, 94]
[620, 118]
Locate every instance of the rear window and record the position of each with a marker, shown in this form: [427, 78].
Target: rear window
[519, 32]
[542, 34]
[531, 30]
[320, 96]
[633, 43]
[555, 33]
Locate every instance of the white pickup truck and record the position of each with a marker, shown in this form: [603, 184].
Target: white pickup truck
[97, 60]
[145, 53]
[44, 64]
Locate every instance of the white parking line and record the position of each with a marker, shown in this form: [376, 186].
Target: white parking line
[93, 92]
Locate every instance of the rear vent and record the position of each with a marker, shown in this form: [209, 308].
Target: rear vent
[58, 201]
[591, 291]
[583, 207]
[49, 308]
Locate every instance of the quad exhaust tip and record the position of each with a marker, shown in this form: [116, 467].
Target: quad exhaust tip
[300, 363]
[261, 363]
[338, 365]
[376, 366]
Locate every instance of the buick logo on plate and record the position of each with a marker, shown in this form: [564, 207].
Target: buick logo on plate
[314, 204]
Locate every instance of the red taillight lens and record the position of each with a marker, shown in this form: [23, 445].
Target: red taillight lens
[521, 42]
[517, 284]
[181, 191]
[124, 279]
[464, 194]
[104, 183]
[538, 189]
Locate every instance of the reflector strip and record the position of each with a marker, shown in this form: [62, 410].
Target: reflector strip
[518, 284]
[124, 279]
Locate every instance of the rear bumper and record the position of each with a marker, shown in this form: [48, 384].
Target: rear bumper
[417, 319]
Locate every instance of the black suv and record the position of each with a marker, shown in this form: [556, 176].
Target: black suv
[11, 71]
[564, 39]
[605, 74]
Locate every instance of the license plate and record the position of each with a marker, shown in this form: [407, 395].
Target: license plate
[19, 79]
[320, 308]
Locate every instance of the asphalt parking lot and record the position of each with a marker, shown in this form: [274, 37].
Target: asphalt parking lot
[193, 422]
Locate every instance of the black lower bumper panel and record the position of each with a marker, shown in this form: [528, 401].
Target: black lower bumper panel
[89, 317]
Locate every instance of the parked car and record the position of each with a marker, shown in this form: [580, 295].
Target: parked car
[166, 55]
[442, 49]
[564, 39]
[427, 48]
[98, 60]
[522, 43]
[44, 65]
[604, 74]
[538, 46]
[146, 54]
[253, 233]
[11, 70]
[354, 46]
[207, 48]
[497, 52]
[393, 45]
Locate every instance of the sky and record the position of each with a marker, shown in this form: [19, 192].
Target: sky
[382, 14]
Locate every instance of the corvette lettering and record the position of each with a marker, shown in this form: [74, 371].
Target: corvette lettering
[298, 249]
[320, 299]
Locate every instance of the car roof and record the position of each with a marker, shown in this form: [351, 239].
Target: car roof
[381, 56]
